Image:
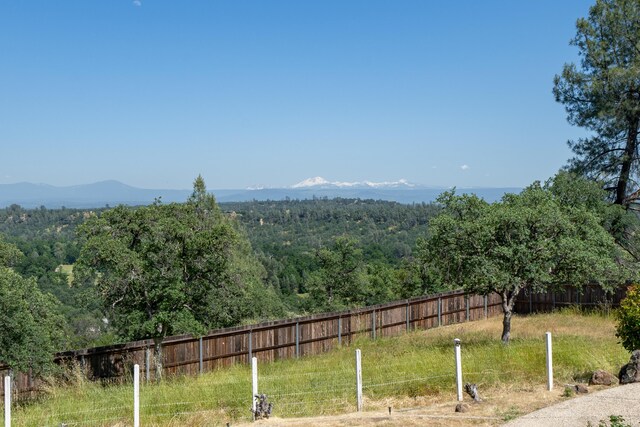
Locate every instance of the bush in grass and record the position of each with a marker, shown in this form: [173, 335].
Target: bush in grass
[628, 316]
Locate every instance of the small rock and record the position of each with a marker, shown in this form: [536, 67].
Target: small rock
[602, 378]
[581, 389]
[630, 373]
[461, 407]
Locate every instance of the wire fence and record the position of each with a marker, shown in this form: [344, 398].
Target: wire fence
[325, 387]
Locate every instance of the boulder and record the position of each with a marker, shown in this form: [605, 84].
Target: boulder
[630, 373]
[581, 389]
[461, 407]
[602, 378]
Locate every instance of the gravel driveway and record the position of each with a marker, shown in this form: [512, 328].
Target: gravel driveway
[591, 408]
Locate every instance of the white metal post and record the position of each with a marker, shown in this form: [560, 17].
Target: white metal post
[456, 343]
[549, 362]
[7, 401]
[136, 395]
[359, 379]
[254, 385]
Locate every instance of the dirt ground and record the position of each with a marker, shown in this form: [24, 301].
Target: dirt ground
[498, 407]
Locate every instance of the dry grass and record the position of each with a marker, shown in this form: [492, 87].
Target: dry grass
[412, 374]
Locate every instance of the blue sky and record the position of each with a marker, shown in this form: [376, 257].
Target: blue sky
[253, 92]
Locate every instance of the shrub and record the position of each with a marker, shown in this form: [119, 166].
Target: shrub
[628, 316]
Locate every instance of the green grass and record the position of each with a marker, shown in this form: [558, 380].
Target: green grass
[414, 365]
[68, 270]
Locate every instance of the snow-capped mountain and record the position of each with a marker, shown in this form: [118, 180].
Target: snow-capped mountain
[319, 182]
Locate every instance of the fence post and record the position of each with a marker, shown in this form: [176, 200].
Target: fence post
[486, 311]
[456, 343]
[7, 401]
[439, 311]
[408, 316]
[250, 345]
[147, 360]
[254, 386]
[340, 330]
[136, 395]
[466, 303]
[359, 380]
[373, 324]
[549, 362]
[200, 364]
[297, 339]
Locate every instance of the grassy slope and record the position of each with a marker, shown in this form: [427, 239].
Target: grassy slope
[414, 369]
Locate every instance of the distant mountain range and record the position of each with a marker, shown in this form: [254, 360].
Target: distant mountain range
[113, 193]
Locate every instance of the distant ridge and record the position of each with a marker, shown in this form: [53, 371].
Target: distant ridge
[112, 193]
[94, 195]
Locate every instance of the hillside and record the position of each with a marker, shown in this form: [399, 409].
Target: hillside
[285, 236]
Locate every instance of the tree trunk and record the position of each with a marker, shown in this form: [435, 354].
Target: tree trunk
[157, 341]
[508, 301]
[627, 163]
[506, 326]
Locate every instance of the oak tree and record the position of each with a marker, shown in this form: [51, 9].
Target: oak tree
[527, 240]
[168, 269]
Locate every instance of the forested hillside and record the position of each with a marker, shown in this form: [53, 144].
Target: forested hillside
[47, 238]
[364, 247]
[287, 234]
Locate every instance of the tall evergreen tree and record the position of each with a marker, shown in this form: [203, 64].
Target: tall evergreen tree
[602, 95]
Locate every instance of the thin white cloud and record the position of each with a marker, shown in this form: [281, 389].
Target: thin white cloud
[464, 167]
[137, 3]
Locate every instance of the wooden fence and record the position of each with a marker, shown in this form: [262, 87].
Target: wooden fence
[269, 341]
[588, 296]
[303, 336]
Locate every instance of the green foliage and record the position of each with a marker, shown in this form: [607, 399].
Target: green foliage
[340, 280]
[529, 240]
[602, 95]
[47, 237]
[170, 269]
[9, 254]
[31, 328]
[287, 234]
[614, 421]
[628, 316]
